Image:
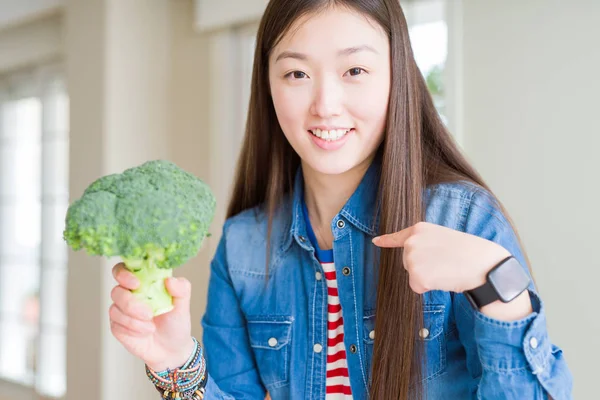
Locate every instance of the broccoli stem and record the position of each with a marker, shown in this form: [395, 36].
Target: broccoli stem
[152, 290]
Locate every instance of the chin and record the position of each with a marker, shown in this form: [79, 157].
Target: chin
[331, 168]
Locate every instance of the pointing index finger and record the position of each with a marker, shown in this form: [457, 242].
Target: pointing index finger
[395, 239]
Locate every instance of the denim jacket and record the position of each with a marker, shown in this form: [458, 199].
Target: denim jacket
[260, 334]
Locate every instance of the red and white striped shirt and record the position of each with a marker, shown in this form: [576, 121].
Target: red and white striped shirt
[337, 382]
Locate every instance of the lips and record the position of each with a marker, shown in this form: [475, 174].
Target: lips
[335, 138]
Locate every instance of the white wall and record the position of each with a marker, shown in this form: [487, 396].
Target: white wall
[531, 126]
[25, 45]
[211, 15]
[139, 81]
[15, 12]
[118, 74]
[189, 130]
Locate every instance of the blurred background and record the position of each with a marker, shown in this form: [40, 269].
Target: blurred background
[92, 87]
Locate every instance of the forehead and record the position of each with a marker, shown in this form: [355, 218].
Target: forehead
[332, 29]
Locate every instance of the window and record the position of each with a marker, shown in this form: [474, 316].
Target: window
[429, 38]
[33, 256]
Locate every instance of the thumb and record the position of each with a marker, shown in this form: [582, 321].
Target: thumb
[181, 291]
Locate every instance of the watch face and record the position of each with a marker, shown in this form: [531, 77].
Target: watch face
[509, 280]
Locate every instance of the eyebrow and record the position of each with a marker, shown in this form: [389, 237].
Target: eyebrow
[344, 52]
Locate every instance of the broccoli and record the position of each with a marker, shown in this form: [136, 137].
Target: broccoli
[154, 216]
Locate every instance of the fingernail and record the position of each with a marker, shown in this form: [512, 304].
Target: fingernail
[375, 239]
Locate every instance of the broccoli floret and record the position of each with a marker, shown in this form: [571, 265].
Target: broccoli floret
[154, 216]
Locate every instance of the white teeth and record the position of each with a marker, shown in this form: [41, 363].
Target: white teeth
[331, 135]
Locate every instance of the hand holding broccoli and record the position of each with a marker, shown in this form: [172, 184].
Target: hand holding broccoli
[155, 216]
[161, 342]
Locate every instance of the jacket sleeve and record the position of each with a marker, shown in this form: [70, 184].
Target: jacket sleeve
[512, 360]
[229, 358]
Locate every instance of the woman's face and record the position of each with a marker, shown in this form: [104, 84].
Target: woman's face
[330, 81]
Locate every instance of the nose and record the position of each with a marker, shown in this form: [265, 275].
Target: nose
[327, 99]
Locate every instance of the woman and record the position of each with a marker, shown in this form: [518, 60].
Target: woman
[307, 298]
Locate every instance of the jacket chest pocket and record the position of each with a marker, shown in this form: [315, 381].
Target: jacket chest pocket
[270, 341]
[431, 334]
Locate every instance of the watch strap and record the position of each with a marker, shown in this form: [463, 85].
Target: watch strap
[486, 293]
[482, 296]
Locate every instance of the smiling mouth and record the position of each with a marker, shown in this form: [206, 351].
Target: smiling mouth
[331, 135]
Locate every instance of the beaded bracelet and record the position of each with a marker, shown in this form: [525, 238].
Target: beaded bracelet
[193, 389]
[187, 382]
[180, 380]
[194, 359]
[179, 376]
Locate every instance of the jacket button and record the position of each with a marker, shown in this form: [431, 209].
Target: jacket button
[341, 224]
[302, 239]
[317, 348]
[372, 335]
[346, 271]
[318, 276]
[353, 349]
[424, 333]
[533, 342]
[272, 342]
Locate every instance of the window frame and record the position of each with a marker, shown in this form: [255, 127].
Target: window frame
[38, 82]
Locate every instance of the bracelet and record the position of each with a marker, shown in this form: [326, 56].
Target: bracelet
[187, 382]
[180, 379]
[193, 360]
[174, 388]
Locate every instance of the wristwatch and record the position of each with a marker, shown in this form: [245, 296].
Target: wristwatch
[505, 282]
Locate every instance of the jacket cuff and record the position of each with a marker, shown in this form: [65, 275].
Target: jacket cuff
[213, 392]
[506, 347]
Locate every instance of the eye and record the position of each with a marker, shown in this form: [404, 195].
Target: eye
[296, 75]
[356, 71]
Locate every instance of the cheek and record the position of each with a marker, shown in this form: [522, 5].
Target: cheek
[290, 107]
[372, 113]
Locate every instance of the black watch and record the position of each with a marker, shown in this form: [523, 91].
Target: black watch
[505, 282]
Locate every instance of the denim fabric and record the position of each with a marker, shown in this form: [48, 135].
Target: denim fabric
[260, 334]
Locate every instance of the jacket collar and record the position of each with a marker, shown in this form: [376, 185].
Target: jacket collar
[360, 210]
